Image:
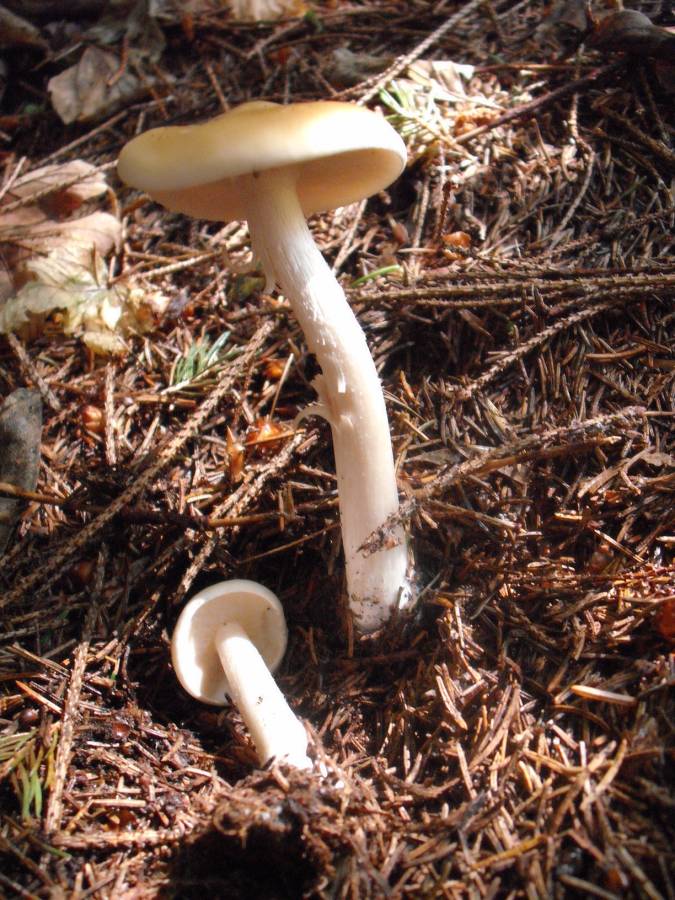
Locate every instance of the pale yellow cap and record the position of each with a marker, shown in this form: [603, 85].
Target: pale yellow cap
[341, 153]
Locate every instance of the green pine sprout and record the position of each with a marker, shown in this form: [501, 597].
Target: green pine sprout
[377, 273]
[200, 360]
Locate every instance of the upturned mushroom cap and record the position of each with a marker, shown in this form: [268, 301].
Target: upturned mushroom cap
[338, 152]
[195, 659]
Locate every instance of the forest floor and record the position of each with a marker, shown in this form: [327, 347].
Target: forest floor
[512, 738]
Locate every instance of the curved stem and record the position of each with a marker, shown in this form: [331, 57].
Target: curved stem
[274, 727]
[349, 389]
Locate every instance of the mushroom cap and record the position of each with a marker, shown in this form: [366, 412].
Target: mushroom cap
[339, 152]
[193, 652]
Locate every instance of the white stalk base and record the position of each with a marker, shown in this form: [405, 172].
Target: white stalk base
[350, 395]
[274, 727]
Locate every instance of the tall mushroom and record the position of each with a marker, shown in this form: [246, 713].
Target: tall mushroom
[273, 166]
[228, 640]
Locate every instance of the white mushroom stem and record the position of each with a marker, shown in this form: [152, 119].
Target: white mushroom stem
[350, 393]
[275, 730]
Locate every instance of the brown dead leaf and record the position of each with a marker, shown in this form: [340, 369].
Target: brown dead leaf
[55, 269]
[264, 435]
[91, 88]
[20, 433]
[446, 78]
[15, 31]
[264, 10]
[79, 299]
[69, 185]
[630, 31]
[30, 241]
[474, 322]
[565, 24]
[349, 68]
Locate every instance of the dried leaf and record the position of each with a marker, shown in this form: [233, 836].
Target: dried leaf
[135, 22]
[349, 68]
[444, 77]
[91, 88]
[630, 31]
[20, 435]
[76, 238]
[566, 24]
[69, 184]
[34, 246]
[15, 31]
[264, 435]
[105, 343]
[80, 301]
[56, 270]
[665, 620]
[264, 10]
[33, 301]
[30, 233]
[235, 453]
[425, 104]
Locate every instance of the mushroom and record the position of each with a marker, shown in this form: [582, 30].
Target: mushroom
[228, 640]
[273, 166]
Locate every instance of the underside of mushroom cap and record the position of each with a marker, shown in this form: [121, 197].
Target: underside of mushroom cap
[338, 153]
[193, 652]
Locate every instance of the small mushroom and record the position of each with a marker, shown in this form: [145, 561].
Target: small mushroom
[228, 640]
[274, 165]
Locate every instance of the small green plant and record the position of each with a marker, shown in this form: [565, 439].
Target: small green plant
[11, 746]
[28, 784]
[30, 770]
[377, 273]
[406, 115]
[201, 358]
[424, 103]
[418, 116]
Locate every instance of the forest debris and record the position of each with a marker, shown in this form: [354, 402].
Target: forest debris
[665, 620]
[602, 696]
[566, 23]
[444, 78]
[34, 222]
[435, 100]
[664, 69]
[512, 803]
[350, 68]
[265, 10]
[85, 303]
[456, 245]
[58, 189]
[55, 269]
[50, 10]
[15, 31]
[630, 31]
[20, 435]
[602, 479]
[96, 86]
[35, 248]
[619, 30]
[135, 23]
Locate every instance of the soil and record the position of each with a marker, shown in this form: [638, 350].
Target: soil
[513, 736]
